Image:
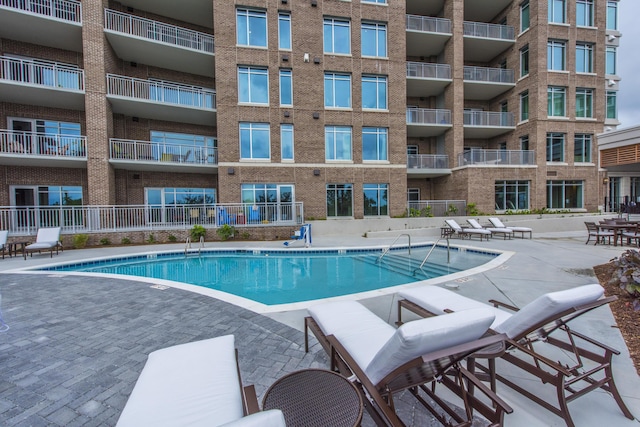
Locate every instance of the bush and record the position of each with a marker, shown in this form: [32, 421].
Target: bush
[472, 210]
[151, 239]
[105, 242]
[172, 238]
[198, 231]
[226, 232]
[627, 275]
[125, 241]
[79, 241]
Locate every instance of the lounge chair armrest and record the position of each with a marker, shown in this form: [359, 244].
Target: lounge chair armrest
[503, 304]
[560, 343]
[486, 390]
[250, 400]
[564, 371]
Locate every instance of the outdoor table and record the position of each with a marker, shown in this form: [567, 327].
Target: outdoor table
[618, 229]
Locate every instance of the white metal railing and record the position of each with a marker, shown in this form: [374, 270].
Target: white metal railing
[489, 118]
[429, 208]
[497, 157]
[491, 75]
[147, 151]
[41, 73]
[161, 91]
[26, 220]
[42, 144]
[489, 31]
[428, 116]
[428, 161]
[66, 10]
[428, 71]
[428, 24]
[157, 31]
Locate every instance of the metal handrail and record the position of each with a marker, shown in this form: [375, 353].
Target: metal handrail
[187, 245]
[424, 261]
[392, 243]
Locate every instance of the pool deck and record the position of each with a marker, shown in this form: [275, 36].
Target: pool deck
[76, 345]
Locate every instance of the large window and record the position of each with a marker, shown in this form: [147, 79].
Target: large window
[339, 200]
[525, 15]
[524, 106]
[556, 101]
[269, 202]
[374, 144]
[374, 92]
[374, 39]
[564, 194]
[284, 31]
[556, 54]
[610, 66]
[337, 36]
[524, 61]
[582, 148]
[253, 85]
[168, 204]
[584, 57]
[555, 147]
[337, 143]
[251, 27]
[524, 142]
[337, 90]
[255, 141]
[584, 13]
[612, 104]
[286, 141]
[286, 88]
[512, 195]
[584, 103]
[612, 15]
[557, 11]
[376, 199]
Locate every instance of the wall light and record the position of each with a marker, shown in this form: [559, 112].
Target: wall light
[231, 171]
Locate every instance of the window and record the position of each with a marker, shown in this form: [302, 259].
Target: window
[555, 147]
[374, 144]
[255, 141]
[253, 85]
[375, 1]
[564, 194]
[168, 204]
[337, 90]
[376, 199]
[584, 57]
[286, 141]
[512, 195]
[582, 148]
[584, 102]
[59, 196]
[524, 16]
[374, 39]
[612, 104]
[339, 200]
[251, 27]
[524, 61]
[524, 142]
[612, 15]
[557, 11]
[556, 55]
[337, 36]
[611, 60]
[337, 142]
[286, 88]
[556, 101]
[524, 106]
[584, 13]
[284, 31]
[374, 92]
[269, 202]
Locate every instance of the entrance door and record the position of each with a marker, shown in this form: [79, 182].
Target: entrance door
[22, 135]
[25, 212]
[285, 198]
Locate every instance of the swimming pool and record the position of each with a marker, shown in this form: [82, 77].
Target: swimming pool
[274, 277]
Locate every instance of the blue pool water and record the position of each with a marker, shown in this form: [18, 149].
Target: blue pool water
[280, 277]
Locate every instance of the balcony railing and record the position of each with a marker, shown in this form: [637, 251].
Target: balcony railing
[162, 92]
[41, 73]
[428, 116]
[428, 71]
[25, 220]
[428, 161]
[147, 151]
[428, 24]
[67, 10]
[489, 75]
[497, 157]
[489, 119]
[158, 31]
[41, 144]
[489, 31]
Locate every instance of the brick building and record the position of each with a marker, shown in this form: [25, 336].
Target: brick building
[349, 108]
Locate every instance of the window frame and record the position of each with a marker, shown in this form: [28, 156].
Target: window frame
[582, 143]
[248, 14]
[584, 99]
[380, 144]
[563, 185]
[255, 77]
[375, 28]
[380, 193]
[556, 142]
[525, 16]
[524, 102]
[380, 84]
[287, 142]
[285, 78]
[333, 24]
[612, 6]
[342, 203]
[284, 17]
[553, 48]
[524, 61]
[253, 128]
[520, 191]
[331, 89]
[612, 105]
[611, 60]
[334, 153]
[587, 14]
[553, 12]
[584, 57]
[552, 93]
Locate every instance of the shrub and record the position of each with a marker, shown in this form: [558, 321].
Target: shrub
[472, 210]
[79, 241]
[627, 274]
[172, 238]
[198, 231]
[105, 242]
[151, 239]
[245, 235]
[125, 241]
[226, 232]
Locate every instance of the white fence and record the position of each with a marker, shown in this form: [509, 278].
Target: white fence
[428, 161]
[492, 75]
[42, 144]
[428, 116]
[428, 70]
[497, 157]
[429, 208]
[490, 31]
[67, 10]
[41, 73]
[489, 118]
[428, 24]
[147, 151]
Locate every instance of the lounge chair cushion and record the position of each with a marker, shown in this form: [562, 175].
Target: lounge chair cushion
[270, 418]
[500, 224]
[414, 339]
[41, 245]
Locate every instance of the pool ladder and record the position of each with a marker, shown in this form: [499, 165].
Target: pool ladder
[424, 261]
[187, 245]
[393, 243]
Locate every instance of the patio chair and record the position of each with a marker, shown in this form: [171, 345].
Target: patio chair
[385, 360]
[630, 235]
[545, 322]
[466, 232]
[46, 239]
[225, 218]
[506, 232]
[3, 242]
[600, 233]
[522, 230]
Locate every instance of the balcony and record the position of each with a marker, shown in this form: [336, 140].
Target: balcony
[481, 83]
[497, 158]
[483, 42]
[42, 83]
[155, 156]
[427, 79]
[487, 124]
[426, 122]
[194, 11]
[53, 23]
[161, 45]
[42, 149]
[482, 10]
[160, 100]
[427, 165]
[426, 35]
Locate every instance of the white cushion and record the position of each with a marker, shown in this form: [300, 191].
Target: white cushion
[420, 337]
[51, 234]
[41, 245]
[270, 418]
[499, 224]
[3, 237]
[475, 224]
[194, 384]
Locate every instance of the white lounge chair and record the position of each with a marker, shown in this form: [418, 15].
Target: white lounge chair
[522, 230]
[3, 242]
[506, 232]
[467, 232]
[46, 239]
